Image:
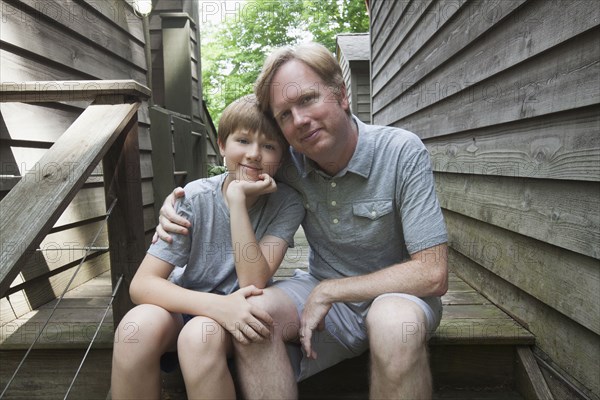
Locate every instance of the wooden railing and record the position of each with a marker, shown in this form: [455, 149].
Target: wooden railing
[106, 131]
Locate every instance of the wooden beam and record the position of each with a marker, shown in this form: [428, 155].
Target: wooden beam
[528, 377]
[29, 211]
[122, 181]
[52, 91]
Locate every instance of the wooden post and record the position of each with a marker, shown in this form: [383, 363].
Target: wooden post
[122, 180]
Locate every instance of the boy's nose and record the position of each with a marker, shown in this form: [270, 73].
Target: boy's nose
[254, 152]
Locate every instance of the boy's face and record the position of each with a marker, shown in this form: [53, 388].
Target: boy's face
[249, 154]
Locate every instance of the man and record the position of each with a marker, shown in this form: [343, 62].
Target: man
[378, 241]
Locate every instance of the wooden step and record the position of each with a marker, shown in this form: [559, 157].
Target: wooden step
[474, 347]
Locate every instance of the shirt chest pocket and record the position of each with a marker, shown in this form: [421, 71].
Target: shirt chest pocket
[372, 210]
[373, 221]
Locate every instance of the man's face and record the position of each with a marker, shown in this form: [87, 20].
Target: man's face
[312, 116]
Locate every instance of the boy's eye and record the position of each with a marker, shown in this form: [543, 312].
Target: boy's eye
[270, 147]
[284, 115]
[243, 141]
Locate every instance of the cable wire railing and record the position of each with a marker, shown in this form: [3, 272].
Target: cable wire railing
[57, 303]
[105, 132]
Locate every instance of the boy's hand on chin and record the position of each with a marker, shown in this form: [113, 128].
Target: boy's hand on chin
[265, 184]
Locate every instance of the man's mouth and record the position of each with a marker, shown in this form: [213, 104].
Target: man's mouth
[311, 135]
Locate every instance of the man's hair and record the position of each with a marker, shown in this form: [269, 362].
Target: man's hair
[244, 113]
[314, 55]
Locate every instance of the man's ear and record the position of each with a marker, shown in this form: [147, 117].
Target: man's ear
[344, 102]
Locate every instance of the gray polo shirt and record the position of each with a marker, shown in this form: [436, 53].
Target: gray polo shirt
[207, 252]
[374, 213]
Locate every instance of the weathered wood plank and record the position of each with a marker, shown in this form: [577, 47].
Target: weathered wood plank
[81, 21]
[19, 68]
[538, 86]
[571, 282]
[530, 31]
[63, 248]
[579, 346]
[41, 91]
[562, 213]
[529, 378]
[38, 292]
[562, 146]
[24, 224]
[47, 374]
[454, 35]
[121, 166]
[33, 122]
[61, 47]
[456, 298]
[420, 24]
[118, 12]
[391, 13]
[470, 365]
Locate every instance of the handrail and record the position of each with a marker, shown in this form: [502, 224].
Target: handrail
[52, 91]
[103, 132]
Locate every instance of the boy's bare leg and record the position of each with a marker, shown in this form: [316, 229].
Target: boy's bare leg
[203, 347]
[399, 360]
[143, 335]
[264, 369]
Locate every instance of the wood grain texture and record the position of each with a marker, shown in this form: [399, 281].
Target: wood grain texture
[72, 158]
[568, 343]
[561, 213]
[563, 146]
[566, 281]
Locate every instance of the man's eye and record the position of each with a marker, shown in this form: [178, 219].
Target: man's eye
[308, 99]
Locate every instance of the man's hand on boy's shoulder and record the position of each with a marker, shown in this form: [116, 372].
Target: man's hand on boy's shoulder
[169, 220]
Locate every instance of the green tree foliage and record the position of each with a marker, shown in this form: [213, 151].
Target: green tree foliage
[234, 49]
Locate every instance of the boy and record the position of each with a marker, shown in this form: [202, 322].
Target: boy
[242, 225]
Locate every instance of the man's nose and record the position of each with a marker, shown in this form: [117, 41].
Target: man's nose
[300, 118]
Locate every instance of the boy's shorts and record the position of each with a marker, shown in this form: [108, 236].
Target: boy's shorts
[169, 361]
[345, 333]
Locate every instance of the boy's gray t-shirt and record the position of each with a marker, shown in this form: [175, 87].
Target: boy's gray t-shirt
[206, 252]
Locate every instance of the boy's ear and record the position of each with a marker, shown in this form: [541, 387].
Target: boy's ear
[221, 147]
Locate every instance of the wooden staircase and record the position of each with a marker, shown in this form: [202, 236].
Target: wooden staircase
[478, 352]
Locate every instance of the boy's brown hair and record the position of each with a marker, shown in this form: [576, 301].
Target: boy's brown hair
[244, 113]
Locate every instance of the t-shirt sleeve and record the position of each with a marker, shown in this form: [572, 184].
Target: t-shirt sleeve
[422, 220]
[176, 253]
[289, 213]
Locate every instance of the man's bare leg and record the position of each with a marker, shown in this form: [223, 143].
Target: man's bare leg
[264, 369]
[399, 360]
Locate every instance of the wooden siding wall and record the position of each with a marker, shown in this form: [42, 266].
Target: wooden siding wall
[197, 113]
[352, 52]
[65, 40]
[505, 95]
[158, 81]
[361, 90]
